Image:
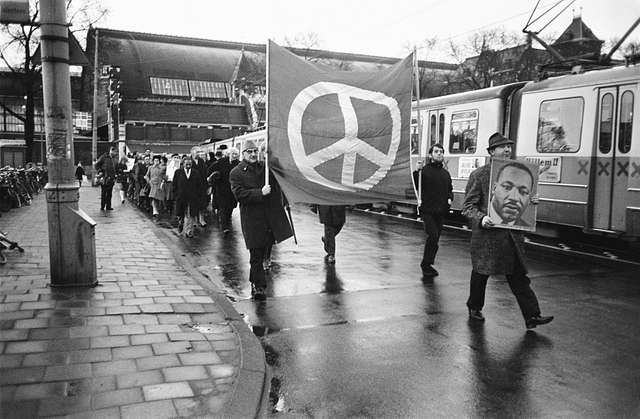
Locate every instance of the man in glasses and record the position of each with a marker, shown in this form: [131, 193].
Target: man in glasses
[262, 215]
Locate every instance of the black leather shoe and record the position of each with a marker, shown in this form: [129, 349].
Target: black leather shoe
[429, 271]
[258, 293]
[538, 320]
[476, 315]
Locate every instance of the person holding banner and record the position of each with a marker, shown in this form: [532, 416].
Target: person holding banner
[436, 195]
[496, 251]
[262, 214]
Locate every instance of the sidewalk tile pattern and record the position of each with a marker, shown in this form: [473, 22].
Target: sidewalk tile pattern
[123, 349]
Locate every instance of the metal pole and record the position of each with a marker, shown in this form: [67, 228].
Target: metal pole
[94, 130]
[266, 111]
[71, 232]
[416, 72]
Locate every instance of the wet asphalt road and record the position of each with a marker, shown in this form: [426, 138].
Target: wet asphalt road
[369, 337]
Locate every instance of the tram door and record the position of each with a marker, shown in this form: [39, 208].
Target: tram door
[615, 116]
[435, 128]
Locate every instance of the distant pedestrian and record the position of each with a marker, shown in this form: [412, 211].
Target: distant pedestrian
[122, 177]
[172, 165]
[156, 176]
[106, 168]
[187, 183]
[223, 197]
[200, 164]
[435, 200]
[496, 251]
[79, 173]
[333, 218]
[262, 213]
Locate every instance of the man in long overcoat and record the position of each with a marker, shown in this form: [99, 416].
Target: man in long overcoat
[496, 251]
[223, 197]
[188, 188]
[262, 213]
[106, 168]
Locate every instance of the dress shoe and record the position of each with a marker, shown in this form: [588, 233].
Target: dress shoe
[109, 209]
[258, 293]
[429, 271]
[538, 320]
[476, 315]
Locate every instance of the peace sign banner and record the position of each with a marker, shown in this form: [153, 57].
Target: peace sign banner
[338, 137]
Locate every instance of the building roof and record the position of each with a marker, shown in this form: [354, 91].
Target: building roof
[576, 31]
[142, 55]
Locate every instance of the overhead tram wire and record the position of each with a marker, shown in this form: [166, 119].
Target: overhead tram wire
[486, 26]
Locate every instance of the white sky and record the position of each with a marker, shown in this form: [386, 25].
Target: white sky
[374, 27]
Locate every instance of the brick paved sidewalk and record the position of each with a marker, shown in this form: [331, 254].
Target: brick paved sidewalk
[150, 341]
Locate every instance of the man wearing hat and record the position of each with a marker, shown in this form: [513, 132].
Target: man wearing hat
[262, 213]
[496, 251]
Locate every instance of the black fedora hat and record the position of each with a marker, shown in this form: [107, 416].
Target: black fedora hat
[498, 139]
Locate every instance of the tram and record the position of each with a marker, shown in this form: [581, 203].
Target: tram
[259, 137]
[582, 129]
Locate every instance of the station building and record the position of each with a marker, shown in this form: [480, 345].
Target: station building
[167, 93]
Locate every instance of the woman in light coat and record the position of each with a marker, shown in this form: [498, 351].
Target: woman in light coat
[156, 176]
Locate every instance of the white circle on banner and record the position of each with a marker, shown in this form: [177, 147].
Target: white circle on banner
[350, 146]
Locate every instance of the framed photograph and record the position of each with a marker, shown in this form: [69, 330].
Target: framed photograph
[511, 185]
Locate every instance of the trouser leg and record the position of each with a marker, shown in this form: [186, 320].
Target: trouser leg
[256, 272]
[103, 196]
[432, 227]
[108, 193]
[478, 285]
[330, 239]
[224, 213]
[520, 285]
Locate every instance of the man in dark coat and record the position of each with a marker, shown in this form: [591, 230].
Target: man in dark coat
[261, 213]
[333, 218]
[435, 200]
[188, 190]
[106, 169]
[200, 164]
[496, 251]
[223, 197]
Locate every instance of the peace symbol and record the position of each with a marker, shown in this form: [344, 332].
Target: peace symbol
[350, 146]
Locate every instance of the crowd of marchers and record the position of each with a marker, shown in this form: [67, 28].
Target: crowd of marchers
[171, 186]
[188, 184]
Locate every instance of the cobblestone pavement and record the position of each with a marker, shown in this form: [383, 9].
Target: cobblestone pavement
[152, 340]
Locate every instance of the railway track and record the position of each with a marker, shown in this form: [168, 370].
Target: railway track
[578, 245]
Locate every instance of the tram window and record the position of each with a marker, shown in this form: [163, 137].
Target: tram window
[606, 123]
[415, 137]
[441, 129]
[560, 125]
[464, 132]
[626, 122]
[432, 130]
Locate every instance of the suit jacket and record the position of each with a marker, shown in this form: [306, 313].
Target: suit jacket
[259, 214]
[493, 250]
[188, 192]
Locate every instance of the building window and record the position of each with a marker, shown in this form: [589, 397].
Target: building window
[626, 122]
[169, 87]
[12, 123]
[464, 132]
[208, 89]
[560, 125]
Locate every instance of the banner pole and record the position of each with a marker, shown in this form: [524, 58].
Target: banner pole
[266, 140]
[416, 73]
